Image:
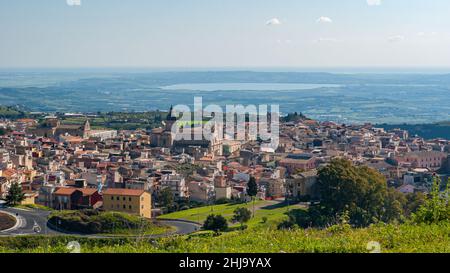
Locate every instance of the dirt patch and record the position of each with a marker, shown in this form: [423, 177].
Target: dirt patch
[6, 221]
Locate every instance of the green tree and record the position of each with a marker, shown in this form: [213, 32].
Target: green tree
[15, 195]
[165, 198]
[242, 215]
[215, 223]
[394, 206]
[413, 202]
[359, 190]
[3, 131]
[252, 191]
[436, 207]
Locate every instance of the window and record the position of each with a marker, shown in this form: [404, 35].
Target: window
[129, 199]
[112, 197]
[142, 198]
[130, 207]
[142, 206]
[124, 198]
[124, 207]
[117, 198]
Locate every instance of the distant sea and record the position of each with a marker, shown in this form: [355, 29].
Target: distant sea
[344, 95]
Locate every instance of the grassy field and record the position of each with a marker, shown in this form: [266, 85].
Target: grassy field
[33, 207]
[271, 210]
[391, 238]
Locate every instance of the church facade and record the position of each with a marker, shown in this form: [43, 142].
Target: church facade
[163, 137]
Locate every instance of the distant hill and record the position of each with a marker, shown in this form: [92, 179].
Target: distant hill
[12, 112]
[348, 98]
[427, 131]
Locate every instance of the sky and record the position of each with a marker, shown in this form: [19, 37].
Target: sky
[224, 33]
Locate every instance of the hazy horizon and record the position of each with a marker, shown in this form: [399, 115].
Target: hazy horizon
[331, 70]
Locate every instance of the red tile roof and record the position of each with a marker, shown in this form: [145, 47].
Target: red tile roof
[65, 191]
[88, 191]
[125, 192]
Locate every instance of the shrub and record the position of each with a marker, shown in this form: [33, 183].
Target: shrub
[436, 207]
[287, 224]
[92, 221]
[222, 201]
[215, 223]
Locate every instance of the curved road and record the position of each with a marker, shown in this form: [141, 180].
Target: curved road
[33, 222]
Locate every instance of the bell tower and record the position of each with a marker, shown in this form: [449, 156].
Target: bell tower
[86, 129]
[170, 120]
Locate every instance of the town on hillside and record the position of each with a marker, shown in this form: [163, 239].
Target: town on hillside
[74, 167]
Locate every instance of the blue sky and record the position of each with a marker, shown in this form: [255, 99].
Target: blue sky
[225, 33]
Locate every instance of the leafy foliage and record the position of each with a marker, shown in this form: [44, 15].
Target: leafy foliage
[242, 215]
[361, 193]
[166, 198]
[436, 207]
[215, 223]
[92, 222]
[15, 195]
[252, 187]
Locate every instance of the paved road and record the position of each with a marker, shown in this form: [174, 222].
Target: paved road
[32, 222]
[182, 227]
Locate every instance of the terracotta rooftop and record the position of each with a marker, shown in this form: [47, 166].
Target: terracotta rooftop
[65, 191]
[125, 192]
[26, 120]
[88, 191]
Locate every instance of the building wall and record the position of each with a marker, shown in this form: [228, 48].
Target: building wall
[223, 193]
[138, 205]
[304, 186]
[28, 200]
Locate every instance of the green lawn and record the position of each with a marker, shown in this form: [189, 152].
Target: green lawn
[273, 211]
[33, 206]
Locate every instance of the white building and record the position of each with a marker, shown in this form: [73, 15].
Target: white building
[176, 183]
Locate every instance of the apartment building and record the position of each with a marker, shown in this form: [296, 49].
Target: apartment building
[128, 201]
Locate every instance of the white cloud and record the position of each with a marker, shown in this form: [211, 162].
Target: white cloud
[373, 2]
[396, 38]
[273, 22]
[423, 34]
[326, 40]
[284, 42]
[73, 2]
[324, 19]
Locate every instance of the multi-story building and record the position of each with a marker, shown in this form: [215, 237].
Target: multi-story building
[303, 184]
[138, 202]
[176, 183]
[295, 162]
[424, 159]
